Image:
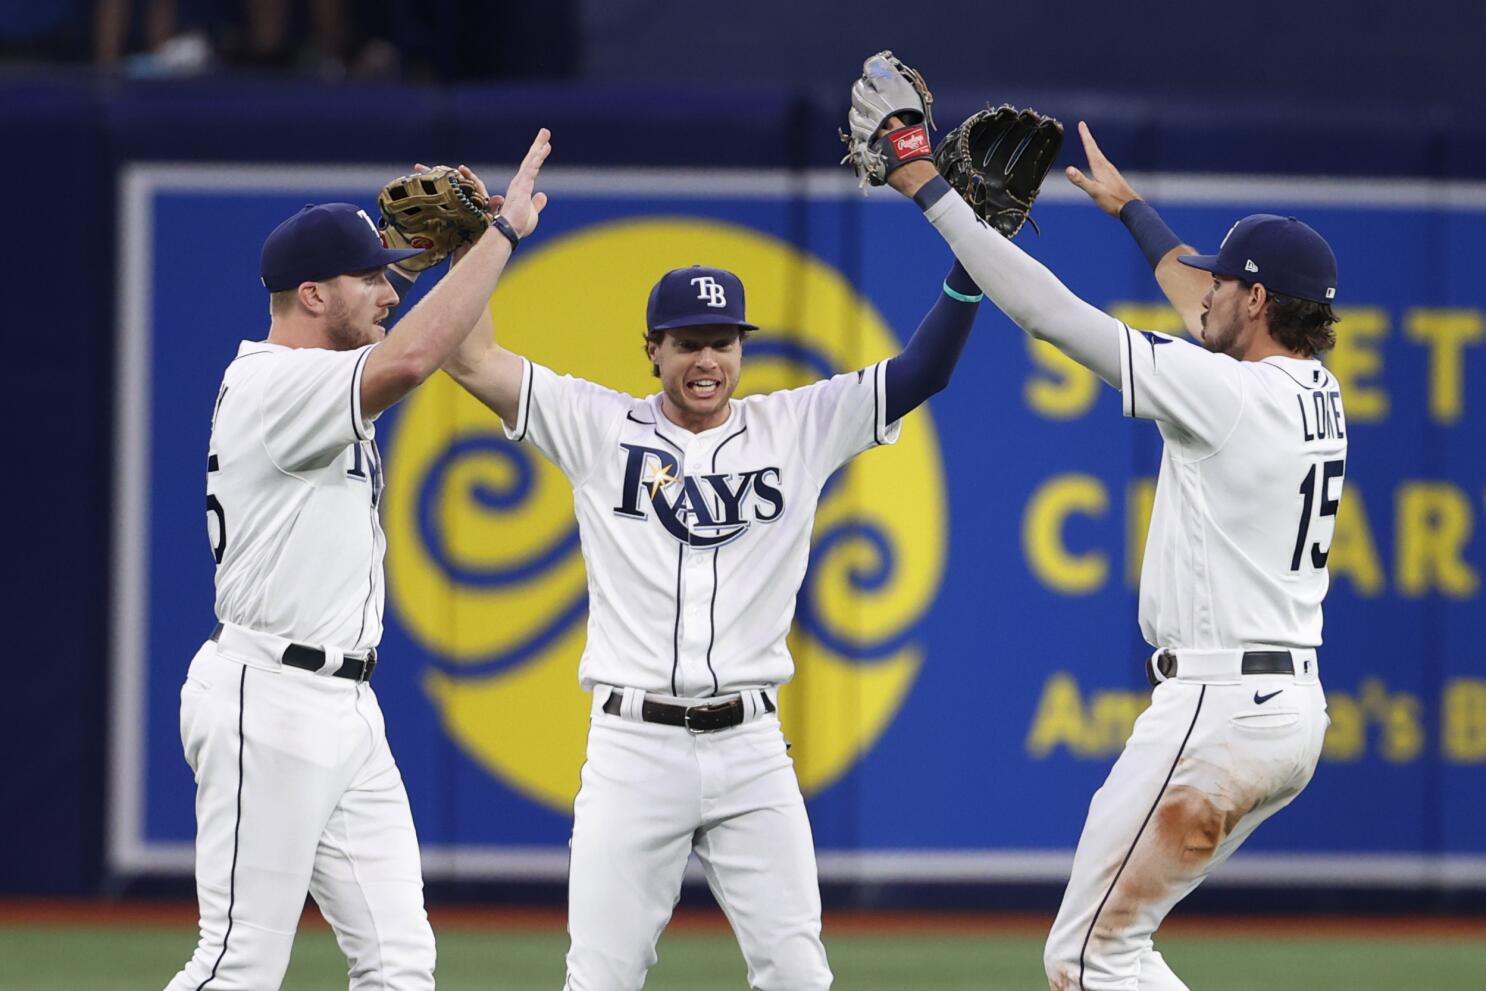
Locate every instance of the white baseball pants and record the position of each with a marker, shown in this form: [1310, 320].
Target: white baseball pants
[1205, 765]
[650, 795]
[297, 791]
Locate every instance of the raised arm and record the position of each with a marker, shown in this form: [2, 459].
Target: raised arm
[1017, 283]
[885, 146]
[486, 370]
[1184, 287]
[927, 361]
[442, 320]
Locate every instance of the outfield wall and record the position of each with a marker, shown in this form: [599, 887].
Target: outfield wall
[967, 643]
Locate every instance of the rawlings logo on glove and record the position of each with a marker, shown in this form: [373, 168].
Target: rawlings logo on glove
[912, 142]
[437, 210]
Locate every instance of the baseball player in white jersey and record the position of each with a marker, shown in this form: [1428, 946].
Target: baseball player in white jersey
[1235, 563]
[297, 790]
[695, 511]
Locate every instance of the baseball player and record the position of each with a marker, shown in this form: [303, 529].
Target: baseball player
[1235, 563]
[296, 788]
[695, 511]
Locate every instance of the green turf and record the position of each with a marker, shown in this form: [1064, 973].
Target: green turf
[145, 957]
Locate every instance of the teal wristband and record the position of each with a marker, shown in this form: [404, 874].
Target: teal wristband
[961, 296]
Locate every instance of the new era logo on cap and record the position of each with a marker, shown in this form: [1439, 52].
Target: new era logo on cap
[1249, 266]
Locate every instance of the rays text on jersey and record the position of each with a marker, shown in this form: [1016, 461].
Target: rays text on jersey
[698, 510]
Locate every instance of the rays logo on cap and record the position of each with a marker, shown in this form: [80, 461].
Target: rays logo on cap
[711, 290]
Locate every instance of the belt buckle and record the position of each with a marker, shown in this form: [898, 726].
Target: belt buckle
[367, 666]
[713, 708]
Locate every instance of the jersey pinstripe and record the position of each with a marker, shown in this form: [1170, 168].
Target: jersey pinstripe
[696, 543]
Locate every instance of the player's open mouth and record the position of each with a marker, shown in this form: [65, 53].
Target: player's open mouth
[704, 387]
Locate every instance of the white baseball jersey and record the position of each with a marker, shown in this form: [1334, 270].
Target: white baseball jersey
[1251, 478]
[293, 483]
[696, 543]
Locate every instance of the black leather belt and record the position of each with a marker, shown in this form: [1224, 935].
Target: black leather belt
[312, 659]
[701, 718]
[1254, 662]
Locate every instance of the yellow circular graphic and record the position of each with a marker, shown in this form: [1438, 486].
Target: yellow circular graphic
[485, 568]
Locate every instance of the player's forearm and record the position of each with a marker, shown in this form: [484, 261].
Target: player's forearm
[431, 332]
[928, 360]
[486, 370]
[1184, 287]
[472, 348]
[1023, 288]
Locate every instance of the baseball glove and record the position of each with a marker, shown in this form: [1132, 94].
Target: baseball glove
[437, 211]
[997, 160]
[888, 88]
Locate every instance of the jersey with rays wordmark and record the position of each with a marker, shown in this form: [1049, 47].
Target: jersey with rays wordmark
[696, 543]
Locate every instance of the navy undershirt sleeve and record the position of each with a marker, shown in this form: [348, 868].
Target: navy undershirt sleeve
[925, 364]
[1149, 230]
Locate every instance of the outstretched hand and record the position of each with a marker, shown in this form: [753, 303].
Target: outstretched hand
[1103, 182]
[521, 206]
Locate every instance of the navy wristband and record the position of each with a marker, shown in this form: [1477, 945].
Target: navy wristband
[931, 192]
[507, 231]
[1149, 230]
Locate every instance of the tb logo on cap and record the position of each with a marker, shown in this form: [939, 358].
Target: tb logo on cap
[711, 290]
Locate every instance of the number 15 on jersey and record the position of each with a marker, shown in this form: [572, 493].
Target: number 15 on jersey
[1321, 494]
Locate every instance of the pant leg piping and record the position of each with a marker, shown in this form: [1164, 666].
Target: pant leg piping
[1084, 949]
[242, 685]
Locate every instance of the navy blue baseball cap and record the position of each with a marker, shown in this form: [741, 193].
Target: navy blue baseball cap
[697, 297]
[321, 242]
[1288, 256]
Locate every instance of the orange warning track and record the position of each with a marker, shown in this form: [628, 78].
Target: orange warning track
[99, 912]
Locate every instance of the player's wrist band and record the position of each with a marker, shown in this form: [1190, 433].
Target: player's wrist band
[507, 231]
[932, 192]
[961, 296]
[1149, 230]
